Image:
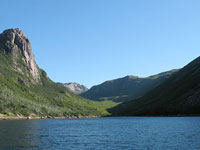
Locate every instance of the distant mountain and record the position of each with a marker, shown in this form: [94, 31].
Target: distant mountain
[123, 89]
[26, 90]
[178, 95]
[75, 87]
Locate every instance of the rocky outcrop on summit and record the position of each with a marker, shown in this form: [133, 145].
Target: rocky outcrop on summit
[75, 87]
[15, 43]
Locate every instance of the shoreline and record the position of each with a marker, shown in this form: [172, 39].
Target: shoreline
[38, 118]
[192, 115]
[87, 117]
[46, 117]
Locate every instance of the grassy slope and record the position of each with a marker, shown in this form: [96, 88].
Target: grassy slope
[42, 100]
[126, 88]
[179, 95]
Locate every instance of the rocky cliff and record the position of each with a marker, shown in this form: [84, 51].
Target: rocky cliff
[15, 43]
[75, 87]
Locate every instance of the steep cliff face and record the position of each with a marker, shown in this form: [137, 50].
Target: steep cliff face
[15, 43]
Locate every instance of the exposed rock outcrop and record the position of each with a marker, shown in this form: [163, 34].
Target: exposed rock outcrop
[75, 87]
[15, 43]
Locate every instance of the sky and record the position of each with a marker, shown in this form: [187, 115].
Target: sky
[91, 41]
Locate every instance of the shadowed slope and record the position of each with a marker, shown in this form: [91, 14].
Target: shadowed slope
[126, 88]
[179, 95]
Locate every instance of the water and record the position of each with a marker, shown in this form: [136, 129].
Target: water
[122, 133]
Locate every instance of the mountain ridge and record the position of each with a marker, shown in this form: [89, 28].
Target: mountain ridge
[127, 87]
[178, 95]
[75, 87]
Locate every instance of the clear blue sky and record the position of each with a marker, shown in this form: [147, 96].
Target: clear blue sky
[90, 41]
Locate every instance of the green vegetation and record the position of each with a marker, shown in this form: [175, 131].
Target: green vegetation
[179, 95]
[126, 88]
[113, 98]
[25, 90]
[18, 96]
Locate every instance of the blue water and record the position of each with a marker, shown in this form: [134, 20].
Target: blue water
[122, 133]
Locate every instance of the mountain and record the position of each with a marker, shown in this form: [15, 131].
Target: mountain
[15, 45]
[123, 89]
[178, 95]
[75, 87]
[26, 90]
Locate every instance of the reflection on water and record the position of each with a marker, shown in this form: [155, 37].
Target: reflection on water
[19, 134]
[166, 133]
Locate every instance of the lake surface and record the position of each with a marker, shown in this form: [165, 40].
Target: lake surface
[120, 133]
